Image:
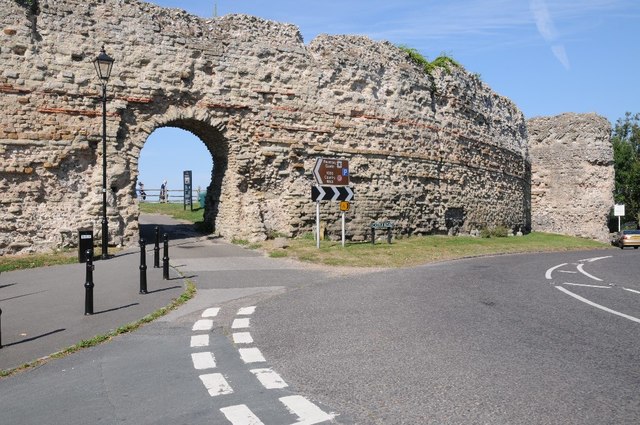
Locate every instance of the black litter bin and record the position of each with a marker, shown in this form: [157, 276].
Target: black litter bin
[85, 241]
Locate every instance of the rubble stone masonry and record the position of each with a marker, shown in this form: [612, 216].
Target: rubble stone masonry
[434, 154]
[572, 175]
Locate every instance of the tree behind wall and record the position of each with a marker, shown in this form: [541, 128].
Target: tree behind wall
[626, 154]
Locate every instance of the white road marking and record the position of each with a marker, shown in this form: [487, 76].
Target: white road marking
[240, 415]
[588, 286]
[269, 379]
[631, 290]
[251, 355]
[567, 271]
[216, 384]
[240, 323]
[591, 260]
[205, 360]
[211, 312]
[580, 266]
[246, 311]
[242, 338]
[601, 307]
[307, 412]
[200, 340]
[549, 271]
[203, 325]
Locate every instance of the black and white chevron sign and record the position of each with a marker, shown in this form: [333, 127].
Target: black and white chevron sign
[331, 193]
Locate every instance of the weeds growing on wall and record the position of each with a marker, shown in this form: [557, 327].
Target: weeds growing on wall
[443, 61]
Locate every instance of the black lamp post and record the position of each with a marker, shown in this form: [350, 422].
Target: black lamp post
[103, 64]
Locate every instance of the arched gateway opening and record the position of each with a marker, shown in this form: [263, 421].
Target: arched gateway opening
[180, 145]
[165, 156]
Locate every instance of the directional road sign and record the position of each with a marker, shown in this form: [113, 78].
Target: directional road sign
[331, 193]
[329, 171]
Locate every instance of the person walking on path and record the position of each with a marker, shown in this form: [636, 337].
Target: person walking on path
[163, 192]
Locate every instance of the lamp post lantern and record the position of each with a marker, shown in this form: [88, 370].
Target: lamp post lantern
[103, 64]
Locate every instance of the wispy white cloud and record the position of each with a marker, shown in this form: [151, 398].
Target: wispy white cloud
[547, 30]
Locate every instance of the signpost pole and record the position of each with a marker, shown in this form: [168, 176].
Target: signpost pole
[318, 224]
[343, 229]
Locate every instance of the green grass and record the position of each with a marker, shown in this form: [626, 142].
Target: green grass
[32, 261]
[176, 211]
[420, 250]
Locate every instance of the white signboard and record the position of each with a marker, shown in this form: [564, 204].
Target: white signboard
[618, 210]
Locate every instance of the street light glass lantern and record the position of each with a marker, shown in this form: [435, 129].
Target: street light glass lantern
[103, 64]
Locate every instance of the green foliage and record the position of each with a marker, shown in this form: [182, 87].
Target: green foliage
[443, 61]
[626, 157]
[495, 232]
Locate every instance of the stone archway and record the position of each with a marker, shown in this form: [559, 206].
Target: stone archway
[266, 105]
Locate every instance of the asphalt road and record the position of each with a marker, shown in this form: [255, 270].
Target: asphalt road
[489, 340]
[524, 339]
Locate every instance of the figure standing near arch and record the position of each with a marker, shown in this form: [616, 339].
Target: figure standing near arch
[164, 192]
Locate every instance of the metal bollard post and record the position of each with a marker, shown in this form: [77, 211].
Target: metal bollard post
[143, 267]
[156, 250]
[88, 285]
[0, 328]
[373, 236]
[389, 235]
[165, 258]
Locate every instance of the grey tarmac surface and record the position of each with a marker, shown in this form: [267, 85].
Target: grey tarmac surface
[477, 341]
[151, 376]
[491, 340]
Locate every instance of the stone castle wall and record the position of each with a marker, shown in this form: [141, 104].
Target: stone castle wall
[572, 178]
[434, 154]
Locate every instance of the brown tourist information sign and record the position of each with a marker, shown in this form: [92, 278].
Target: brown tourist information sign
[331, 172]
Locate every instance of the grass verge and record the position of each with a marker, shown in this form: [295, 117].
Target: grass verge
[420, 250]
[189, 293]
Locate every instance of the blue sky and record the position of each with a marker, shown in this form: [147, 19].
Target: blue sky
[547, 56]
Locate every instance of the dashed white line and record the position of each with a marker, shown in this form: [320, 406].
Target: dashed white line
[631, 290]
[242, 338]
[307, 412]
[199, 340]
[251, 355]
[240, 415]
[205, 360]
[216, 384]
[601, 307]
[203, 325]
[241, 323]
[269, 379]
[586, 285]
[211, 312]
[246, 311]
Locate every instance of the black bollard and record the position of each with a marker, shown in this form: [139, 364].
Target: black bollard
[0, 328]
[143, 267]
[165, 258]
[88, 285]
[373, 236]
[156, 250]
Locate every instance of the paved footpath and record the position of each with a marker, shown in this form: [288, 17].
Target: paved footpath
[196, 365]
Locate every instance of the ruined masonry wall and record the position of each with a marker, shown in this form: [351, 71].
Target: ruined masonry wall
[435, 155]
[572, 175]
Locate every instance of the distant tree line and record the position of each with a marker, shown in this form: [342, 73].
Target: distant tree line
[626, 155]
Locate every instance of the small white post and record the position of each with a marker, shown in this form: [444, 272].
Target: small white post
[318, 224]
[343, 229]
